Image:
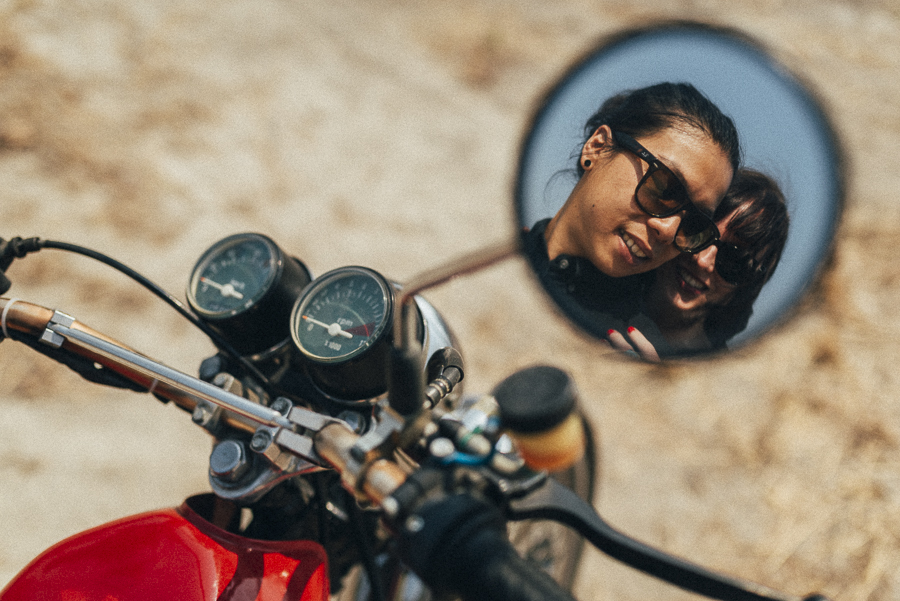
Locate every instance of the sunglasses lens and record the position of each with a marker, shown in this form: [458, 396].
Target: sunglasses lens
[696, 232]
[733, 265]
[661, 193]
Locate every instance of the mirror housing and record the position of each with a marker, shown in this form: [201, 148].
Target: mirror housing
[784, 131]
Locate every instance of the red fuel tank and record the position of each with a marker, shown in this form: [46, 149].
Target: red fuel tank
[172, 554]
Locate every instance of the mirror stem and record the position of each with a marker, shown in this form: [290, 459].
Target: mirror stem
[406, 384]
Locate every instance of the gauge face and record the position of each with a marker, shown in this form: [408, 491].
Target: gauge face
[233, 275]
[341, 315]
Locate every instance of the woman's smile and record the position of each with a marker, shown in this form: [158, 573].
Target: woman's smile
[634, 246]
[603, 219]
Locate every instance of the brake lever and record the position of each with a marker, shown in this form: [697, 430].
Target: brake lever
[553, 501]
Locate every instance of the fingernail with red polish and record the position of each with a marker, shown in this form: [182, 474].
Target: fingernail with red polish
[631, 329]
[610, 332]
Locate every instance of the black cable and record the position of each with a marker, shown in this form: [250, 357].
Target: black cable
[366, 552]
[321, 487]
[18, 248]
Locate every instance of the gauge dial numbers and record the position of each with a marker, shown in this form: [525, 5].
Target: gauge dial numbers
[341, 315]
[244, 286]
[341, 326]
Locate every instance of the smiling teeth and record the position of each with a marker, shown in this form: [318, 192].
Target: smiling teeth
[692, 281]
[632, 246]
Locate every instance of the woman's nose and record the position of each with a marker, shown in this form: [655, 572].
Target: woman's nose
[665, 228]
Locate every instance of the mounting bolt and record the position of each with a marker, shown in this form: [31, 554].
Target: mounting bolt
[414, 523]
[281, 405]
[211, 367]
[441, 447]
[507, 464]
[228, 461]
[390, 506]
[352, 419]
[201, 415]
[261, 440]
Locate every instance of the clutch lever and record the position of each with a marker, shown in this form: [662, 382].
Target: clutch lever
[553, 501]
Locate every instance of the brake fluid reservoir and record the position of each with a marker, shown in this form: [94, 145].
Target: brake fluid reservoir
[538, 411]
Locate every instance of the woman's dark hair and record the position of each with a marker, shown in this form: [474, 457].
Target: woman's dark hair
[760, 223]
[645, 111]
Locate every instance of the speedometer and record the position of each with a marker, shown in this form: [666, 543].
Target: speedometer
[244, 287]
[233, 275]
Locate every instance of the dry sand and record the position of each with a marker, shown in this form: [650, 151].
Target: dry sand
[385, 134]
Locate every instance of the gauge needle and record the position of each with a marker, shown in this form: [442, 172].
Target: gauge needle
[333, 329]
[363, 330]
[226, 289]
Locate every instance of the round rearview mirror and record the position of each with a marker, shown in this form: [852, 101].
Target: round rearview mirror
[606, 217]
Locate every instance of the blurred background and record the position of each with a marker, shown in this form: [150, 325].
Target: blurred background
[386, 134]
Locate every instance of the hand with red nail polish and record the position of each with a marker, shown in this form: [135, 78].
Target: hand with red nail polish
[636, 343]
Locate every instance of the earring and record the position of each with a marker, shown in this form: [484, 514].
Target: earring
[586, 163]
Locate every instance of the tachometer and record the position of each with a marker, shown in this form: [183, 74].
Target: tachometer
[341, 326]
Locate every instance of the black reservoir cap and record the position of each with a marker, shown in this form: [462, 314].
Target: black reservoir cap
[535, 399]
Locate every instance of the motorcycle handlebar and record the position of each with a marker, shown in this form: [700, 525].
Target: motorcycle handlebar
[456, 543]
[494, 570]
[19, 317]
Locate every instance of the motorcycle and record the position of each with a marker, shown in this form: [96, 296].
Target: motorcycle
[346, 459]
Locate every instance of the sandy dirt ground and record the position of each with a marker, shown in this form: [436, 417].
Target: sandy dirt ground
[385, 133]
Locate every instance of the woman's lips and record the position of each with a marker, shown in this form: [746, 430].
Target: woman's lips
[634, 247]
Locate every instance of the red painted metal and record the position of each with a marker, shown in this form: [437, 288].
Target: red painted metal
[172, 555]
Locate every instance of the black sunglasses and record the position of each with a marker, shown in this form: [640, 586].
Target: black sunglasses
[661, 193]
[735, 265]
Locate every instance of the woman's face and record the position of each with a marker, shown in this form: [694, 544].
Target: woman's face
[610, 228]
[691, 284]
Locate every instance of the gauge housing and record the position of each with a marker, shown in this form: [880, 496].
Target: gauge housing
[244, 287]
[341, 327]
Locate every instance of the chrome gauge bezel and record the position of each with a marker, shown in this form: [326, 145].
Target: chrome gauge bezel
[275, 261]
[325, 284]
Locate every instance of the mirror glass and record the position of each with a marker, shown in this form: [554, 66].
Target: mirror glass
[783, 130]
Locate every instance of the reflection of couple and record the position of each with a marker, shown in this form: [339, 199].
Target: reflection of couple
[664, 243]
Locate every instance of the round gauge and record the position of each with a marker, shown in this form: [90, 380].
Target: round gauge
[233, 275]
[244, 287]
[342, 314]
[341, 325]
